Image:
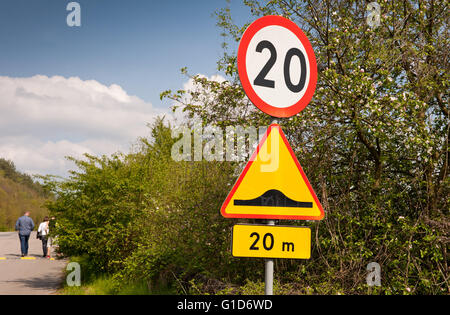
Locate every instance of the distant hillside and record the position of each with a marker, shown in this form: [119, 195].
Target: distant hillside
[19, 193]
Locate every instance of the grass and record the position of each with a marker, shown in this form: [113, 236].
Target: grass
[94, 283]
[106, 286]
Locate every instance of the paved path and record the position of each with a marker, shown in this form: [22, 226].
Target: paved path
[17, 276]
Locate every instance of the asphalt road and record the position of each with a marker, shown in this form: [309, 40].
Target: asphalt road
[29, 277]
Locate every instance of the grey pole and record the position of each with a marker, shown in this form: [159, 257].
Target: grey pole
[268, 288]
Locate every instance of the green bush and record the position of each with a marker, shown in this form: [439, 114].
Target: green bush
[373, 143]
[143, 219]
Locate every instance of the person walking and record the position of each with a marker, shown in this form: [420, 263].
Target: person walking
[43, 232]
[24, 225]
[51, 240]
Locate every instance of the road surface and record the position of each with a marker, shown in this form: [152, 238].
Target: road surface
[37, 276]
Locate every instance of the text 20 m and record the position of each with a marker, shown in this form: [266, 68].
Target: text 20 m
[268, 242]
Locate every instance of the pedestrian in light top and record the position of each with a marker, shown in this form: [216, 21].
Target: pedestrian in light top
[43, 231]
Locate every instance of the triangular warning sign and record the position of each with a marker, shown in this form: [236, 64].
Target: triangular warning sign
[273, 184]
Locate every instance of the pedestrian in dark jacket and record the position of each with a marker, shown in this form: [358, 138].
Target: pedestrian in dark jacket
[24, 225]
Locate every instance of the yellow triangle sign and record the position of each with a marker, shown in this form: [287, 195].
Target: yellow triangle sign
[273, 184]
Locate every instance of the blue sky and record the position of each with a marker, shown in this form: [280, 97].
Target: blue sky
[138, 44]
[66, 91]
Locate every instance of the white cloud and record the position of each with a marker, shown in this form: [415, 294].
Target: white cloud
[179, 117]
[191, 85]
[43, 119]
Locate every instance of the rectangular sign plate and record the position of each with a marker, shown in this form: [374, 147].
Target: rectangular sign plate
[267, 241]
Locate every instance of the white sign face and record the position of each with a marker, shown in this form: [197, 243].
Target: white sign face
[272, 44]
[277, 66]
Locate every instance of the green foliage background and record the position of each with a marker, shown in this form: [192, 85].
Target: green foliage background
[373, 143]
[19, 193]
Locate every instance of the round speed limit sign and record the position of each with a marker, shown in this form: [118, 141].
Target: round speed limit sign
[277, 66]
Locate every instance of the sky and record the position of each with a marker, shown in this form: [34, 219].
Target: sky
[93, 88]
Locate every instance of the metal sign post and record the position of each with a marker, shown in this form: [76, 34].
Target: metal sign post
[278, 72]
[268, 288]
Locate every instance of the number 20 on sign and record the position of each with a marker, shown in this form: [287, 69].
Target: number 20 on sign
[277, 66]
[271, 241]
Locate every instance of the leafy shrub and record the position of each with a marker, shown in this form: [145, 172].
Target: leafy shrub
[373, 143]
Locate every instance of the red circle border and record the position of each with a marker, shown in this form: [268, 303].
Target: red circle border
[242, 70]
